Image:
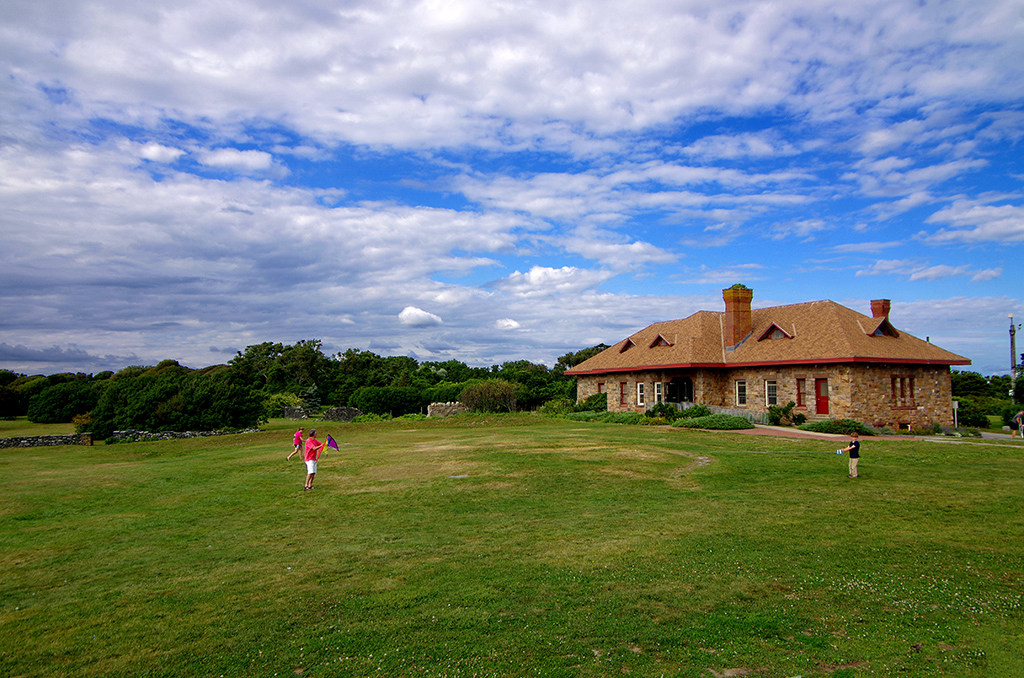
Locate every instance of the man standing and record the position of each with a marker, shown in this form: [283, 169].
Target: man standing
[313, 449]
[1018, 425]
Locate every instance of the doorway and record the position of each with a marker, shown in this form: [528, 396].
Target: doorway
[821, 396]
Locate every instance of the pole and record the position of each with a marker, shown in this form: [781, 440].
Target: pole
[1013, 359]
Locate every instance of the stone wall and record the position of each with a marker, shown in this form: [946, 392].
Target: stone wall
[446, 409]
[46, 441]
[855, 391]
[293, 413]
[340, 414]
[132, 436]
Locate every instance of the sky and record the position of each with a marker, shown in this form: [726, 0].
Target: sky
[500, 180]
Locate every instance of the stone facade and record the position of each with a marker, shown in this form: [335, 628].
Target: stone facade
[898, 396]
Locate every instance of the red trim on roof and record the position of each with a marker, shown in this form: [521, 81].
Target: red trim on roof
[768, 363]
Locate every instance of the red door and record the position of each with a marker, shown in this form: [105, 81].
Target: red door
[821, 396]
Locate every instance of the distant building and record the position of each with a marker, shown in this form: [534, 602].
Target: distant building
[828, 359]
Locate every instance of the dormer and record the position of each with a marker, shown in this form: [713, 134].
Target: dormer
[626, 345]
[773, 331]
[882, 328]
[660, 341]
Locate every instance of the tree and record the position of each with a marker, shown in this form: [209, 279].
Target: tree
[61, 402]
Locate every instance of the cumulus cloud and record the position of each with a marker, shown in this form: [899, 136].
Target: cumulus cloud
[417, 317]
[506, 324]
[231, 158]
[976, 221]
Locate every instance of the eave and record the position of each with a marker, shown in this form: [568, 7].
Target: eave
[768, 363]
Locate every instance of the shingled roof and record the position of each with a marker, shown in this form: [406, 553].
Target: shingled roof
[807, 333]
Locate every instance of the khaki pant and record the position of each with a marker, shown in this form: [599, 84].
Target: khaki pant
[853, 466]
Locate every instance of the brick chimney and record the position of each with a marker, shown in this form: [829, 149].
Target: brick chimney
[737, 314]
[880, 308]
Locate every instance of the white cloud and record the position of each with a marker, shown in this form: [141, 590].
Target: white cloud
[916, 271]
[417, 317]
[231, 158]
[506, 324]
[974, 221]
[545, 281]
[160, 153]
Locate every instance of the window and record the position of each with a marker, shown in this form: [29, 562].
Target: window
[801, 393]
[902, 391]
[622, 393]
[600, 387]
[658, 397]
[640, 393]
[741, 392]
[771, 392]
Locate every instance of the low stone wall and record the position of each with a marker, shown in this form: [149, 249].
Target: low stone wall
[293, 413]
[144, 436]
[445, 409]
[340, 414]
[46, 441]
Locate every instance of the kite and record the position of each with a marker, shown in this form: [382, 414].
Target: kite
[331, 442]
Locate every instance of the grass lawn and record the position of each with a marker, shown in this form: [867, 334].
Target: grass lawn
[512, 546]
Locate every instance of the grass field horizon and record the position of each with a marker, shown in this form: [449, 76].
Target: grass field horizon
[511, 545]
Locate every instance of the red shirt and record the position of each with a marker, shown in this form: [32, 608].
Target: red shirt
[312, 448]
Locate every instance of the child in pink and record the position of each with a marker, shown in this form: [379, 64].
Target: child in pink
[297, 442]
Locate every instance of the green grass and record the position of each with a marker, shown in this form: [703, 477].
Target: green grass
[511, 546]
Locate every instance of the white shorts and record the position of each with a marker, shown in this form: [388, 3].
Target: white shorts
[311, 466]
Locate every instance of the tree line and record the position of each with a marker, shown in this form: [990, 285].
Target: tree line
[264, 378]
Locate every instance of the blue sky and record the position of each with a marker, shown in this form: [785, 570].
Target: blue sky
[498, 181]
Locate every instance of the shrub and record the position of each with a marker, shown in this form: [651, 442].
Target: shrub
[558, 407]
[837, 426]
[715, 422]
[597, 402]
[784, 416]
[274, 404]
[695, 411]
[492, 395]
[663, 411]
[968, 414]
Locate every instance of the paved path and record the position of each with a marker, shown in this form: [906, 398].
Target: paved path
[787, 432]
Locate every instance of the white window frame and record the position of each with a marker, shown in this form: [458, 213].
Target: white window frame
[659, 393]
[769, 385]
[640, 401]
[740, 401]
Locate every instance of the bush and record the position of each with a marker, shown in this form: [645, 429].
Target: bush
[837, 426]
[558, 407]
[597, 402]
[783, 416]
[274, 404]
[492, 395]
[968, 414]
[715, 422]
[695, 411]
[663, 411]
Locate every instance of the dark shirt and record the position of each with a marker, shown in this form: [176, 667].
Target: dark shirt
[854, 449]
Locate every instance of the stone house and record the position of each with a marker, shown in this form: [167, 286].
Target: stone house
[828, 359]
